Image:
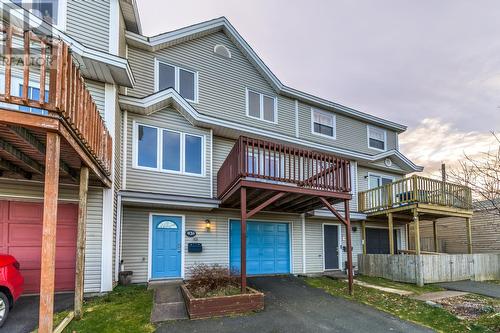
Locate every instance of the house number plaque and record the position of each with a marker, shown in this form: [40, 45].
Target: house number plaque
[190, 233]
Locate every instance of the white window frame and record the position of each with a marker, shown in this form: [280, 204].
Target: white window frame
[61, 14]
[261, 105]
[368, 127]
[176, 79]
[159, 154]
[334, 123]
[379, 176]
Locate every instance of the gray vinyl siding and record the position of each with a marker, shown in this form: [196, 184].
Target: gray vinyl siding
[33, 191]
[88, 22]
[222, 82]
[97, 91]
[163, 182]
[351, 134]
[314, 243]
[221, 149]
[135, 238]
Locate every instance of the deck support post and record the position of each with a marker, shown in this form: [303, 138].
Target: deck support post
[469, 235]
[435, 234]
[48, 255]
[363, 235]
[391, 233]
[243, 261]
[416, 230]
[349, 245]
[80, 248]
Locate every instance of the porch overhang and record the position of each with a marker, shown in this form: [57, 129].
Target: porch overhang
[158, 200]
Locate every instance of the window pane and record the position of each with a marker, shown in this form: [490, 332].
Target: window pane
[166, 76]
[377, 134]
[193, 154]
[323, 129]
[374, 181]
[377, 144]
[171, 151]
[46, 9]
[253, 104]
[147, 146]
[268, 108]
[186, 84]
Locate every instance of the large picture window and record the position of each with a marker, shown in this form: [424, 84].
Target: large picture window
[323, 123]
[168, 151]
[184, 81]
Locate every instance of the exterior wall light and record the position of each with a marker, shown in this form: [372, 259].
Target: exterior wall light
[208, 224]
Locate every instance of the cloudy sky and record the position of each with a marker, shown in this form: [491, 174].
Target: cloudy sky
[431, 65]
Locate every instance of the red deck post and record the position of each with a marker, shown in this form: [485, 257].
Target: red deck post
[48, 254]
[243, 240]
[349, 244]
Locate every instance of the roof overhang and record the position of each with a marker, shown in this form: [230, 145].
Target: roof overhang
[94, 64]
[327, 214]
[131, 17]
[168, 39]
[171, 98]
[156, 200]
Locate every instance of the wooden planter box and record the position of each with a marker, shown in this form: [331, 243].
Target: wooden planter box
[222, 305]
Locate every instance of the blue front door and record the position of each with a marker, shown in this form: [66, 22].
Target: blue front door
[268, 247]
[166, 248]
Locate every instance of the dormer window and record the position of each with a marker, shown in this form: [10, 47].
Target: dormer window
[377, 138]
[183, 80]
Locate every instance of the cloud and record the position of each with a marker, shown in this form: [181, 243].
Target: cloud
[433, 142]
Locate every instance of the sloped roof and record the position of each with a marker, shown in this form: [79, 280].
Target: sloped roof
[171, 98]
[171, 38]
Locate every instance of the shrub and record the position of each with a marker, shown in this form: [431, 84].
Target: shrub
[212, 280]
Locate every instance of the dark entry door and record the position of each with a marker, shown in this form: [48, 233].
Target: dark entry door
[331, 241]
[377, 241]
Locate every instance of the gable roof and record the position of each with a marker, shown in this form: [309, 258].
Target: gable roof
[171, 98]
[171, 38]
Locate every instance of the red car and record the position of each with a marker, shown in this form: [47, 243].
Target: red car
[11, 285]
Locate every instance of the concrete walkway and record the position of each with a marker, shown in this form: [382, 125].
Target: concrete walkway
[481, 288]
[168, 303]
[293, 306]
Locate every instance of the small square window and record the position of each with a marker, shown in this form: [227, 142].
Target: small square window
[261, 106]
[376, 138]
[323, 123]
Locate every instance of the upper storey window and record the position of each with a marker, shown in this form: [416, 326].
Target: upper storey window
[323, 123]
[377, 138]
[261, 106]
[183, 80]
[49, 10]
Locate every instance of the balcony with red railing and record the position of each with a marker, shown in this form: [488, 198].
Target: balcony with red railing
[262, 166]
[43, 90]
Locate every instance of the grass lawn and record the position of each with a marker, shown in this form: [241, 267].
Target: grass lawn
[428, 288]
[125, 309]
[403, 307]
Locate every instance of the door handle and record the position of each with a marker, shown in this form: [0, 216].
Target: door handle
[178, 247]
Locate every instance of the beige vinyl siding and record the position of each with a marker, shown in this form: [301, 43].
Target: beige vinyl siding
[135, 240]
[163, 182]
[97, 92]
[88, 22]
[393, 167]
[33, 191]
[221, 149]
[351, 133]
[222, 82]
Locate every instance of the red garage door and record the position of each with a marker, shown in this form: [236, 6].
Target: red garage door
[21, 236]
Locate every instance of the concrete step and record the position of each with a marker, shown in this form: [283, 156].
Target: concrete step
[168, 303]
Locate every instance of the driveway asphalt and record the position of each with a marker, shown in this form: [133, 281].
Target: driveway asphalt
[23, 317]
[476, 287]
[293, 306]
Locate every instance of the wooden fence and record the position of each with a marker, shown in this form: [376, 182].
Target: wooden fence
[431, 268]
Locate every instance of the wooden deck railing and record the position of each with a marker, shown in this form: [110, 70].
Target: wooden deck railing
[41, 64]
[413, 190]
[268, 161]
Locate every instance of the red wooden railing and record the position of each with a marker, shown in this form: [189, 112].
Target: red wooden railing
[269, 161]
[37, 61]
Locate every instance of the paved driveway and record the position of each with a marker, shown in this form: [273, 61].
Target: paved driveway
[293, 306]
[481, 288]
[23, 317]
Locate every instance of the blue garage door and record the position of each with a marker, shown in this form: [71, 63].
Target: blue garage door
[268, 247]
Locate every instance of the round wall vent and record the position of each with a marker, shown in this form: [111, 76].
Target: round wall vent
[222, 51]
[388, 162]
